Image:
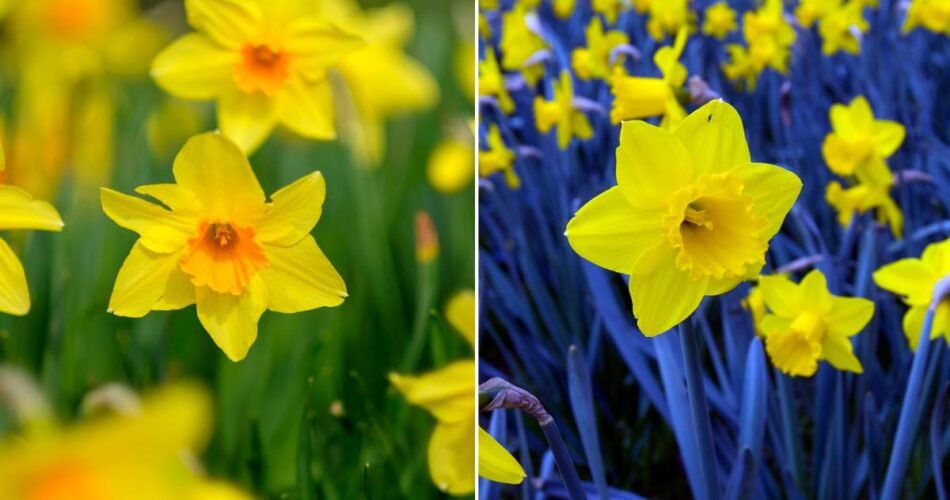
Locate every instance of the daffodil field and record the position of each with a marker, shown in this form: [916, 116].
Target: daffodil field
[714, 241]
[236, 237]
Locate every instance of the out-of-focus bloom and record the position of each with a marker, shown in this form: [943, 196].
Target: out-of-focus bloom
[755, 304]
[170, 123]
[498, 158]
[719, 20]
[518, 43]
[560, 111]
[451, 165]
[593, 61]
[768, 37]
[668, 17]
[563, 8]
[739, 67]
[491, 82]
[932, 15]
[806, 323]
[379, 81]
[118, 457]
[641, 97]
[863, 197]
[859, 143]
[18, 210]
[264, 63]
[610, 9]
[809, 11]
[690, 216]
[914, 281]
[841, 29]
[222, 246]
[495, 463]
[427, 239]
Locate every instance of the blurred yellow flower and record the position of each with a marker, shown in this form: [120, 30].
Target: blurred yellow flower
[932, 15]
[563, 8]
[498, 158]
[610, 9]
[668, 17]
[118, 457]
[914, 281]
[593, 61]
[720, 20]
[863, 197]
[451, 165]
[220, 245]
[491, 81]
[638, 97]
[740, 67]
[806, 323]
[263, 62]
[755, 304]
[18, 210]
[427, 238]
[841, 29]
[560, 111]
[769, 38]
[518, 43]
[859, 143]
[690, 215]
[809, 11]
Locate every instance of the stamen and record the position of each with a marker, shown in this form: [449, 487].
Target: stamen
[697, 217]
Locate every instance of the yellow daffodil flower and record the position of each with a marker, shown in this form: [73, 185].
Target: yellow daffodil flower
[379, 80]
[263, 62]
[859, 143]
[610, 9]
[118, 457]
[914, 281]
[18, 210]
[560, 111]
[668, 17]
[690, 215]
[863, 197]
[769, 36]
[451, 165]
[806, 323]
[491, 82]
[840, 29]
[932, 15]
[740, 67]
[563, 8]
[720, 20]
[495, 463]
[498, 158]
[518, 43]
[755, 304]
[220, 245]
[809, 11]
[593, 61]
[642, 97]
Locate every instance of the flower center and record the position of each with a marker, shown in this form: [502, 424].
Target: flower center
[66, 482]
[224, 257]
[72, 18]
[796, 351]
[261, 69]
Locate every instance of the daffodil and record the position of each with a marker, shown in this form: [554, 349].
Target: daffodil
[265, 63]
[560, 111]
[563, 8]
[809, 11]
[498, 158]
[719, 20]
[219, 244]
[118, 457]
[841, 29]
[594, 60]
[491, 82]
[914, 281]
[859, 143]
[863, 197]
[610, 9]
[379, 81]
[668, 17]
[495, 463]
[690, 216]
[769, 36]
[932, 15]
[518, 43]
[755, 304]
[806, 324]
[18, 210]
[451, 165]
[740, 67]
[642, 97]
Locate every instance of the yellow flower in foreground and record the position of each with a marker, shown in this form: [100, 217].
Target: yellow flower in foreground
[690, 215]
[809, 11]
[639, 97]
[932, 15]
[841, 28]
[806, 323]
[117, 457]
[498, 158]
[863, 197]
[495, 463]
[491, 82]
[518, 43]
[593, 61]
[914, 281]
[859, 143]
[221, 245]
[18, 210]
[560, 111]
[263, 62]
[720, 20]
[668, 17]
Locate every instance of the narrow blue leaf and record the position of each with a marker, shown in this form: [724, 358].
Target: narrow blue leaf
[582, 404]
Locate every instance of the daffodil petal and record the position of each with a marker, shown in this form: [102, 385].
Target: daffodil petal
[14, 294]
[715, 138]
[913, 323]
[495, 463]
[300, 278]
[841, 121]
[781, 296]
[446, 393]
[247, 119]
[161, 230]
[460, 313]
[773, 191]
[294, 211]
[887, 137]
[774, 324]
[142, 281]
[232, 320]
[451, 456]
[307, 109]
[814, 289]
[651, 165]
[837, 154]
[172, 196]
[18, 210]
[194, 67]
[859, 114]
[666, 295]
[849, 315]
[230, 23]
[318, 45]
[179, 292]
[838, 351]
[213, 168]
[910, 278]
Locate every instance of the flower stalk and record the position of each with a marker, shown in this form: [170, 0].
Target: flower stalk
[699, 412]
